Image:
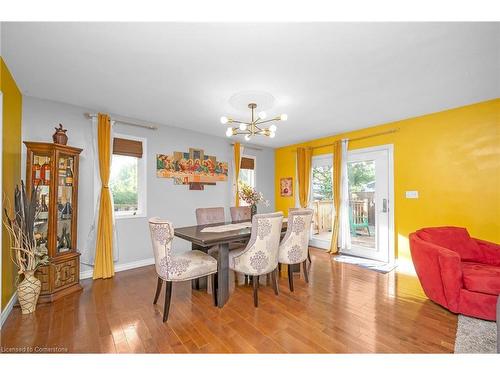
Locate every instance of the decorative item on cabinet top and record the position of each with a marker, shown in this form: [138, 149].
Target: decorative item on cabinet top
[60, 136]
[192, 168]
[53, 168]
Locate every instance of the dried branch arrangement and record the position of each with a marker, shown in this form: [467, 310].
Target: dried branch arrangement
[24, 251]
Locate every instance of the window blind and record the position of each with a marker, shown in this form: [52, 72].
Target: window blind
[127, 147]
[247, 163]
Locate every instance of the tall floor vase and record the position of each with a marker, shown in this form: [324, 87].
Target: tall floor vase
[28, 291]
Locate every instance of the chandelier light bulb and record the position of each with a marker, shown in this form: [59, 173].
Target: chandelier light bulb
[272, 134]
[262, 115]
[284, 117]
[224, 120]
[247, 137]
[272, 128]
[243, 127]
[229, 132]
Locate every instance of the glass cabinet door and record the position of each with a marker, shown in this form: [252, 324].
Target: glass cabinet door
[40, 182]
[65, 171]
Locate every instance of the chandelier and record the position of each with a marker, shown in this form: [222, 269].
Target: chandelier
[254, 127]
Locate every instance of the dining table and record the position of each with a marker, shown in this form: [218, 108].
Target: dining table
[220, 235]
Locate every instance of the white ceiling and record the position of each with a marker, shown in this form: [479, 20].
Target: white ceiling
[328, 77]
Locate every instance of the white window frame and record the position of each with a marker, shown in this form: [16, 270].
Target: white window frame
[141, 181]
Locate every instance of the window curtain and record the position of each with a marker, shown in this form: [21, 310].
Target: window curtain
[238, 151]
[344, 225]
[336, 167]
[103, 265]
[304, 157]
[88, 252]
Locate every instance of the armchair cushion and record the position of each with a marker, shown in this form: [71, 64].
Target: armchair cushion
[481, 278]
[455, 239]
[490, 252]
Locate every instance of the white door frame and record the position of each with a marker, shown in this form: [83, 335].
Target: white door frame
[390, 165]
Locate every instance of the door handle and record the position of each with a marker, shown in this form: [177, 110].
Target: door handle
[384, 205]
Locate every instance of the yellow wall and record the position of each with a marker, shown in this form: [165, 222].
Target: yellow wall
[452, 158]
[11, 159]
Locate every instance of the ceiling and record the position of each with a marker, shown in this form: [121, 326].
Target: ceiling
[328, 77]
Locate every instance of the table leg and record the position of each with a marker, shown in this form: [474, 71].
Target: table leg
[223, 274]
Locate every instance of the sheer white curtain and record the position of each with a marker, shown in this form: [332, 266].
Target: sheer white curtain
[88, 253]
[344, 228]
[233, 168]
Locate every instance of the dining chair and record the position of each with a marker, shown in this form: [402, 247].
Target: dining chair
[210, 215]
[260, 255]
[177, 267]
[243, 213]
[291, 209]
[294, 247]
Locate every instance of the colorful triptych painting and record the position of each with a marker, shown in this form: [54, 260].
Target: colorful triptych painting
[192, 168]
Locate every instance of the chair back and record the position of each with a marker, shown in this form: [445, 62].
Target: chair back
[294, 246]
[210, 215]
[241, 213]
[261, 253]
[162, 233]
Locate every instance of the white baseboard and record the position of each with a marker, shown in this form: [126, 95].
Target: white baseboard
[121, 267]
[8, 309]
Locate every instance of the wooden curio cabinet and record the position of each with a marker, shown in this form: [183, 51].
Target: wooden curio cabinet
[54, 169]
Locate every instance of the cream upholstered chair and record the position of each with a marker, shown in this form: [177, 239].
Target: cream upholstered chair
[177, 267]
[260, 255]
[291, 209]
[294, 247]
[243, 213]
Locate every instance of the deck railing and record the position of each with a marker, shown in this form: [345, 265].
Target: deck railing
[323, 213]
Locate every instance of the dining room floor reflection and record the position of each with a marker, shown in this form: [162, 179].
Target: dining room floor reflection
[343, 309]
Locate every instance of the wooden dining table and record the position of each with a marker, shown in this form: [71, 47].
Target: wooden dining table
[205, 240]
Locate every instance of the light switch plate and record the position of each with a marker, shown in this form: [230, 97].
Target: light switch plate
[412, 194]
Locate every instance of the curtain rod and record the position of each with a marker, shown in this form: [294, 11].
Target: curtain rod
[126, 122]
[355, 139]
[250, 147]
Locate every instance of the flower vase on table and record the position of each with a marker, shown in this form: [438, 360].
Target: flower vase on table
[251, 197]
[253, 210]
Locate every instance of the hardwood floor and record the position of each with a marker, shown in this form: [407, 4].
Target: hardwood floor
[343, 309]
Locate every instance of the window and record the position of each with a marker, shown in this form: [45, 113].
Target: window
[128, 176]
[247, 173]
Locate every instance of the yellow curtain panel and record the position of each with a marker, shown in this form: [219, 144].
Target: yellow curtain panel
[337, 157]
[304, 156]
[103, 267]
[237, 161]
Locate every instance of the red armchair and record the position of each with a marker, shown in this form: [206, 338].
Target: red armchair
[456, 271]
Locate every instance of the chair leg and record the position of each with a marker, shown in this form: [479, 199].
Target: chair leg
[168, 296]
[304, 267]
[214, 287]
[158, 290]
[255, 281]
[279, 269]
[309, 256]
[197, 284]
[274, 278]
[246, 279]
[290, 277]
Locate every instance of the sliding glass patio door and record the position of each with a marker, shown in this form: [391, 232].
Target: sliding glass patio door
[370, 213]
